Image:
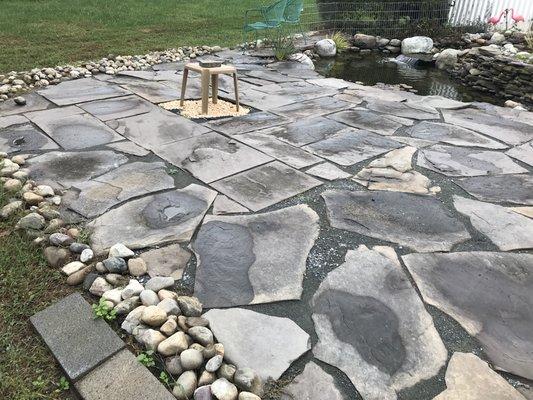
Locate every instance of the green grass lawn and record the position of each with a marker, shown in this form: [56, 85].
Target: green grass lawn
[39, 33]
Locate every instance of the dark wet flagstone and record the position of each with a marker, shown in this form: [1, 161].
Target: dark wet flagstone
[403, 109]
[371, 121]
[26, 137]
[34, 102]
[247, 123]
[122, 107]
[517, 189]
[81, 90]
[314, 107]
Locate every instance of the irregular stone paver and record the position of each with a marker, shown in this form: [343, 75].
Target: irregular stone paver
[166, 261]
[506, 229]
[371, 121]
[253, 259]
[314, 107]
[270, 353]
[297, 91]
[212, 156]
[351, 146]
[418, 222]
[264, 101]
[130, 180]
[490, 294]
[69, 168]
[157, 128]
[305, 131]
[372, 325]
[122, 377]
[469, 377]
[451, 134]
[72, 129]
[11, 120]
[81, 90]
[155, 92]
[224, 205]
[128, 148]
[122, 107]
[405, 110]
[527, 211]
[272, 76]
[152, 220]
[26, 137]
[77, 340]
[327, 171]
[312, 384]
[334, 83]
[250, 122]
[290, 155]
[523, 153]
[437, 102]
[504, 129]
[34, 102]
[265, 185]
[517, 189]
[458, 161]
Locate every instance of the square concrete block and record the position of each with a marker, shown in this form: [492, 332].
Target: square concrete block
[77, 340]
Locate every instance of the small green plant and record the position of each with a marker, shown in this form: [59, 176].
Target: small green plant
[102, 310]
[63, 385]
[38, 383]
[172, 171]
[529, 37]
[146, 358]
[165, 378]
[341, 42]
[84, 236]
[283, 47]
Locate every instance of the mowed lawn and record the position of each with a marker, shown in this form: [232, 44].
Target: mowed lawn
[39, 33]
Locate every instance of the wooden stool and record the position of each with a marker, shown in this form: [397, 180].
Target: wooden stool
[209, 74]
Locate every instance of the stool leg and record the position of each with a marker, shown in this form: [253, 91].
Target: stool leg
[205, 91]
[236, 91]
[214, 88]
[183, 85]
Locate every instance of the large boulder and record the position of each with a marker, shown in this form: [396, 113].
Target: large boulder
[446, 59]
[497, 38]
[365, 41]
[416, 45]
[326, 48]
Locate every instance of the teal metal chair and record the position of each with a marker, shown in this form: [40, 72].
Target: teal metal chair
[293, 14]
[272, 17]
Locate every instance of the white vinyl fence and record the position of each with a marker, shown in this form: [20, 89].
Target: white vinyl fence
[465, 12]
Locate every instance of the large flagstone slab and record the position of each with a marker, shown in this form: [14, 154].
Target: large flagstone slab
[437, 102]
[265, 185]
[517, 189]
[127, 181]
[212, 156]
[157, 128]
[372, 325]
[504, 129]
[81, 90]
[73, 129]
[299, 91]
[418, 222]
[121, 107]
[70, 168]
[22, 138]
[224, 205]
[351, 146]
[314, 107]
[252, 259]
[312, 384]
[262, 100]
[264, 343]
[403, 109]
[34, 102]
[12, 120]
[269, 75]
[451, 134]
[458, 161]
[371, 121]
[505, 228]
[152, 220]
[523, 153]
[490, 294]
[155, 92]
[250, 122]
[327, 171]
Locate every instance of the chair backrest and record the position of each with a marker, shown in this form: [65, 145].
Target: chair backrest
[275, 12]
[293, 11]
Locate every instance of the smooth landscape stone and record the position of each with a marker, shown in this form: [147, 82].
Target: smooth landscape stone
[328, 172]
[304, 131]
[403, 109]
[128, 147]
[80, 91]
[505, 228]
[34, 102]
[70, 168]
[265, 185]
[155, 92]
[290, 155]
[490, 294]
[77, 340]
[371, 121]
[122, 107]
[123, 183]
[212, 156]
[418, 222]
[269, 354]
[247, 123]
[504, 129]
[157, 128]
[451, 134]
[516, 189]
[313, 107]
[522, 153]
[224, 205]
[122, 377]
[458, 161]
[372, 325]
[253, 259]
[312, 384]
[152, 220]
[351, 146]
[22, 138]
[166, 261]
[72, 129]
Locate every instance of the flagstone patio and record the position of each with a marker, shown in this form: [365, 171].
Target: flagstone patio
[329, 248]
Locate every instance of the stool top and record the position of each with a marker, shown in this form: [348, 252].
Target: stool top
[223, 69]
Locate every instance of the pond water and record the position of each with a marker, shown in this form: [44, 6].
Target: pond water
[375, 68]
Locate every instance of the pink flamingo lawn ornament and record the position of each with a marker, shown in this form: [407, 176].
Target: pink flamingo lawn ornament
[516, 18]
